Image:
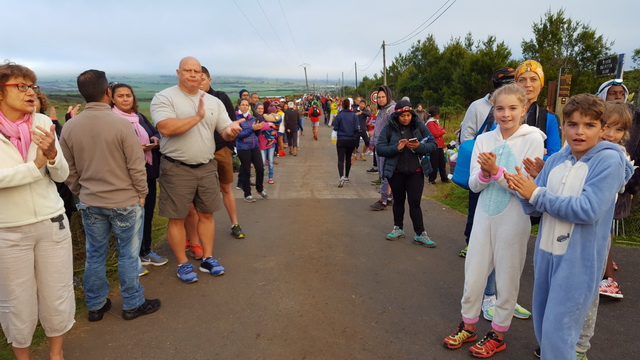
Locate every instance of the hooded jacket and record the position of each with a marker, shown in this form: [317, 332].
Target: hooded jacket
[383, 115]
[247, 138]
[390, 135]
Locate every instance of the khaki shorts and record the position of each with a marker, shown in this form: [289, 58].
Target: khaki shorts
[182, 185]
[225, 165]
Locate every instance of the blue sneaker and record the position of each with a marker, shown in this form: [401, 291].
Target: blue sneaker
[395, 234]
[153, 259]
[423, 240]
[212, 266]
[186, 274]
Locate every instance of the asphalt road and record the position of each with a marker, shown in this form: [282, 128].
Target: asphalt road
[316, 279]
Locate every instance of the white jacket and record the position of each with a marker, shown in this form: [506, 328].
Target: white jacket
[27, 194]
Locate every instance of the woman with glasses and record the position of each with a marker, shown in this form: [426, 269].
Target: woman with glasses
[36, 265]
[125, 104]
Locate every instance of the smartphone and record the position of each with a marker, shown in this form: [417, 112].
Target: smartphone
[413, 140]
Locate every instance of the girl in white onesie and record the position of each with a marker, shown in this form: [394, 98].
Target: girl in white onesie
[500, 227]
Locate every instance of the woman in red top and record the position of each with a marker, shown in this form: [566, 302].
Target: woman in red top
[438, 163]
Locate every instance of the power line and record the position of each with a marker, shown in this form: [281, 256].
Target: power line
[275, 32]
[417, 31]
[257, 32]
[368, 64]
[290, 32]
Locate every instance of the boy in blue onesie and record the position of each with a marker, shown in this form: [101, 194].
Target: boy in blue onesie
[575, 193]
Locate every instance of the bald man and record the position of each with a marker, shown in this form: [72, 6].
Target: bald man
[187, 118]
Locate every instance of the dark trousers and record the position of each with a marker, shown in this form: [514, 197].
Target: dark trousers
[365, 137]
[149, 207]
[407, 186]
[248, 157]
[473, 203]
[438, 163]
[345, 149]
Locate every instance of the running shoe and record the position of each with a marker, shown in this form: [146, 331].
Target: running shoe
[264, 194]
[341, 182]
[186, 274]
[378, 206]
[236, 231]
[363, 158]
[376, 182]
[488, 346]
[195, 250]
[153, 259]
[372, 170]
[142, 271]
[488, 304]
[463, 252]
[581, 356]
[609, 287]
[211, 266]
[459, 337]
[395, 234]
[187, 244]
[354, 157]
[521, 313]
[249, 199]
[615, 266]
[423, 240]
[271, 181]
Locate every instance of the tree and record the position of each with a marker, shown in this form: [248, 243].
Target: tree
[562, 42]
[636, 57]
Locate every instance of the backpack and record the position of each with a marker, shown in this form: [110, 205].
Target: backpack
[315, 112]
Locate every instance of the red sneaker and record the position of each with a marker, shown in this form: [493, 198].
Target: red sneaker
[459, 337]
[187, 245]
[488, 346]
[195, 250]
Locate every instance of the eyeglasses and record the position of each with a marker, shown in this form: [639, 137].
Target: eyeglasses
[25, 87]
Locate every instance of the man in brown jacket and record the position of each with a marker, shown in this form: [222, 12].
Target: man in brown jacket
[107, 173]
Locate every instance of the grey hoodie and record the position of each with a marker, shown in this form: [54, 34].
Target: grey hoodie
[383, 114]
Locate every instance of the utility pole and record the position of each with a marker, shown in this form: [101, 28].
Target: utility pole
[342, 84]
[304, 66]
[355, 64]
[384, 62]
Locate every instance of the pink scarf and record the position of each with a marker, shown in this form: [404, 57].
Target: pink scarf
[143, 137]
[18, 133]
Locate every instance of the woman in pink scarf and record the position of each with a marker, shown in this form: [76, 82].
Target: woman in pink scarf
[125, 104]
[36, 265]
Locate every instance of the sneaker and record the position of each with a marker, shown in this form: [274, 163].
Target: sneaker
[432, 182]
[354, 157]
[459, 337]
[96, 315]
[463, 252]
[187, 245]
[615, 266]
[211, 266]
[581, 356]
[372, 170]
[271, 181]
[536, 352]
[147, 307]
[346, 179]
[609, 287]
[264, 194]
[236, 231]
[142, 271]
[488, 346]
[521, 313]
[153, 259]
[341, 182]
[376, 182]
[488, 307]
[195, 250]
[238, 187]
[363, 158]
[186, 274]
[249, 199]
[378, 206]
[395, 234]
[423, 240]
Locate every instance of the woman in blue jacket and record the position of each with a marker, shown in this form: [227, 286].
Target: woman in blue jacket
[347, 126]
[248, 151]
[405, 142]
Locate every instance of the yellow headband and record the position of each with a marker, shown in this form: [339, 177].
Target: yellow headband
[530, 65]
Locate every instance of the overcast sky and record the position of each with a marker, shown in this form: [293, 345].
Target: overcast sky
[145, 36]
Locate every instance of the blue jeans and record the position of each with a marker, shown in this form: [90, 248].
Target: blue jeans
[268, 155]
[127, 226]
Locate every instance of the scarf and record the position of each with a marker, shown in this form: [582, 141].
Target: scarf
[143, 137]
[18, 132]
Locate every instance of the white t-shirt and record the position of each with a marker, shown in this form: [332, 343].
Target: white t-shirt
[197, 145]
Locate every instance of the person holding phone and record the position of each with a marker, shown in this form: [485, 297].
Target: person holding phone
[125, 104]
[404, 143]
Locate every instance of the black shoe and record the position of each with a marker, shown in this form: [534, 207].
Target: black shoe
[536, 352]
[372, 170]
[432, 182]
[446, 181]
[98, 314]
[147, 307]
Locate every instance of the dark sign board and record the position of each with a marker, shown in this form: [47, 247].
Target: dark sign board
[564, 89]
[607, 66]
